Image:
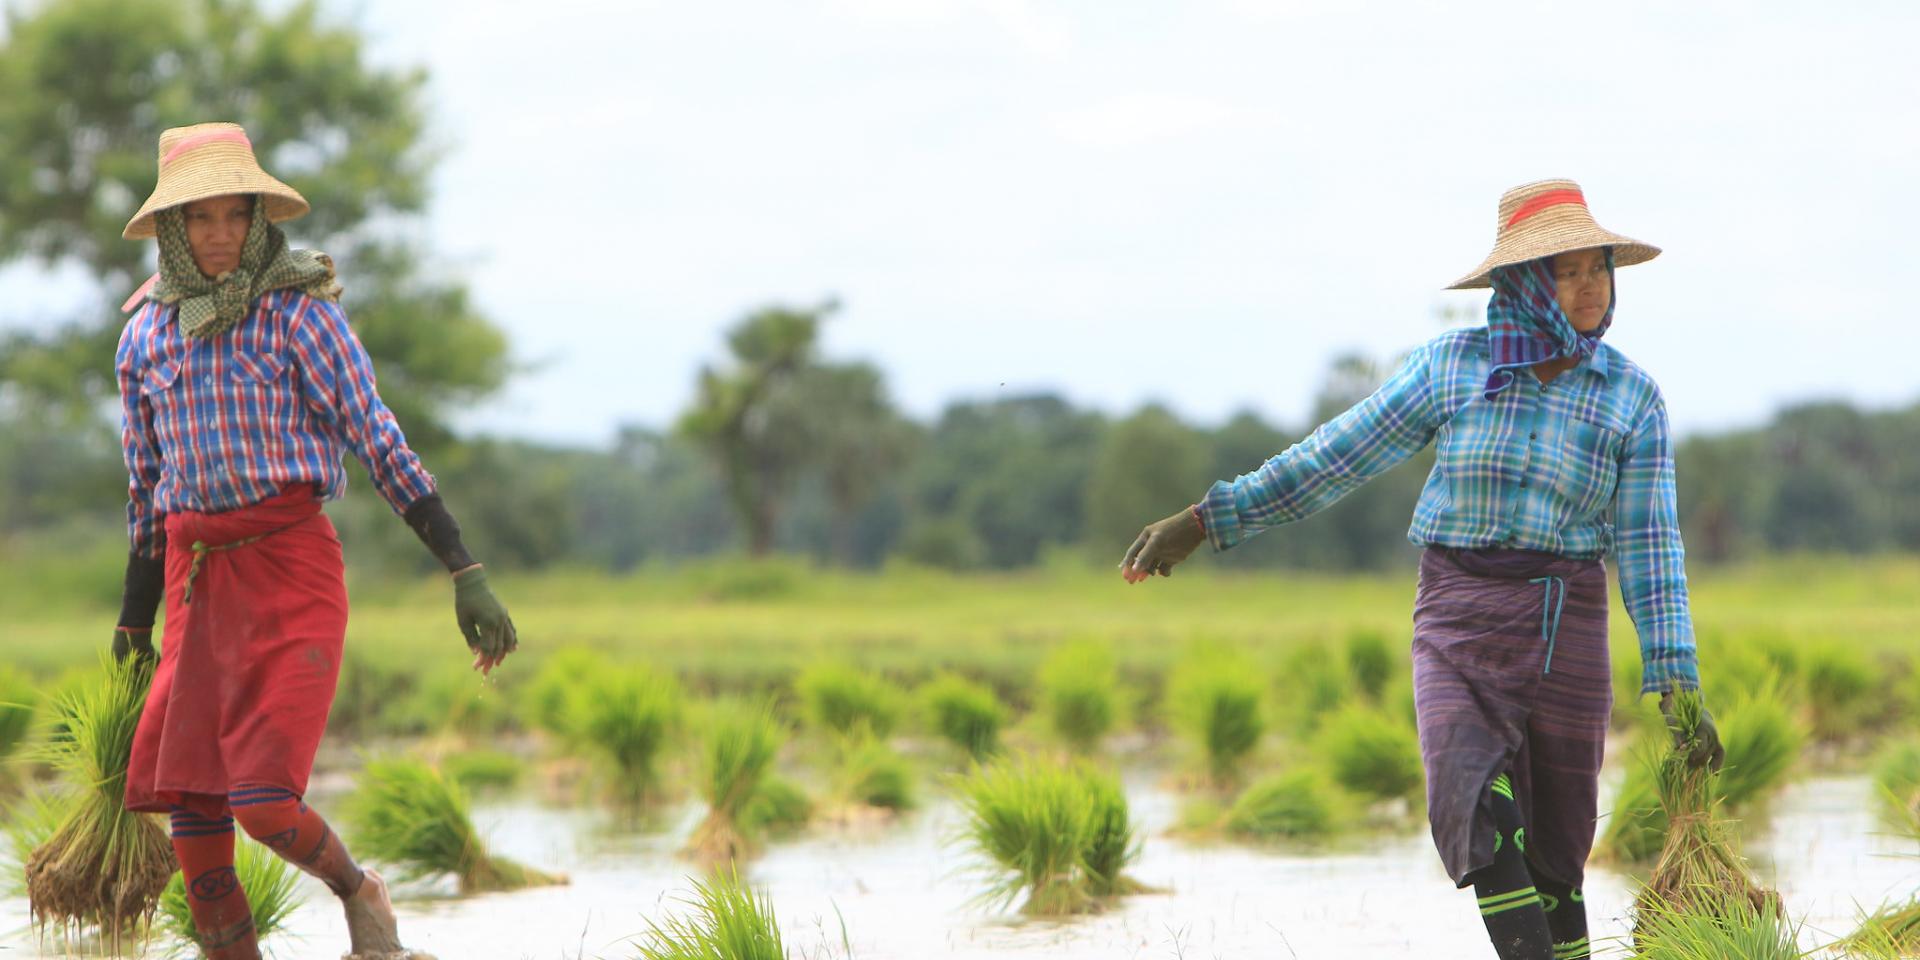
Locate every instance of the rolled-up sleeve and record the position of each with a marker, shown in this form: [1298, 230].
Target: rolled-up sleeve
[337, 376]
[1372, 437]
[1651, 557]
[138, 444]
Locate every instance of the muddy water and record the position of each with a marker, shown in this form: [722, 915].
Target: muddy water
[903, 892]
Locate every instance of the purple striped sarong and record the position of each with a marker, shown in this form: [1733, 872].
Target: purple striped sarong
[1489, 699]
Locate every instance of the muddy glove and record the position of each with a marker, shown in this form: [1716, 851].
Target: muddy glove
[1163, 544]
[483, 619]
[146, 582]
[1704, 747]
[135, 640]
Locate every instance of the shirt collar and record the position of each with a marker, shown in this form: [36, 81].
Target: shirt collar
[1598, 361]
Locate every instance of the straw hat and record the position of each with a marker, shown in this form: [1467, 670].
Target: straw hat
[1544, 218]
[211, 160]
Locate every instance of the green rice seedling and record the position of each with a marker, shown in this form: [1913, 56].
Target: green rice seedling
[1080, 692]
[627, 714]
[1214, 699]
[1032, 822]
[447, 699]
[1839, 682]
[18, 695]
[778, 807]
[1113, 841]
[1896, 782]
[1370, 753]
[1371, 663]
[1313, 682]
[1400, 704]
[406, 814]
[725, 921]
[31, 821]
[740, 744]
[477, 770]
[271, 887]
[1738, 931]
[103, 867]
[839, 698]
[546, 699]
[1762, 738]
[1637, 827]
[1699, 870]
[1300, 804]
[966, 714]
[872, 774]
[1892, 932]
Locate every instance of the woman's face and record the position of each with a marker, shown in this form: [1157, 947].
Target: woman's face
[216, 228]
[1584, 286]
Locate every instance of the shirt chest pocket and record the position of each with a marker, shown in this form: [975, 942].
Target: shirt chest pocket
[259, 384]
[1589, 467]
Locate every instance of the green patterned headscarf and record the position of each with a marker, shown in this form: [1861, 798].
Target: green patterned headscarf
[210, 306]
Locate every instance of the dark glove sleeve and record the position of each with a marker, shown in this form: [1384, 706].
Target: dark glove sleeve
[436, 528]
[146, 584]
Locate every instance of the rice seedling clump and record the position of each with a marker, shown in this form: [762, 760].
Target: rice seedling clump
[1698, 871]
[1893, 932]
[873, 774]
[1896, 782]
[741, 742]
[478, 770]
[1300, 804]
[1371, 662]
[841, 699]
[1369, 753]
[966, 714]
[17, 698]
[725, 921]
[1080, 692]
[103, 866]
[627, 714]
[1214, 699]
[1059, 834]
[407, 814]
[547, 699]
[1738, 930]
[1314, 681]
[272, 890]
[778, 807]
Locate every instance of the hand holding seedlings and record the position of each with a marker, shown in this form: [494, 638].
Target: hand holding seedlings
[1163, 544]
[1703, 747]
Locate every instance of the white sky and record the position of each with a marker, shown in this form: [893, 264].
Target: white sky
[1196, 202]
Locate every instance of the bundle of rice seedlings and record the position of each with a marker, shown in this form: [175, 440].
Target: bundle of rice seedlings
[1300, 804]
[1113, 840]
[967, 714]
[627, 714]
[1892, 932]
[1370, 753]
[272, 890]
[478, 770]
[406, 814]
[18, 695]
[872, 774]
[1371, 662]
[1032, 822]
[839, 698]
[1214, 699]
[1738, 931]
[547, 698]
[1080, 692]
[726, 921]
[1896, 781]
[1698, 870]
[741, 742]
[1314, 681]
[103, 867]
[31, 821]
[778, 807]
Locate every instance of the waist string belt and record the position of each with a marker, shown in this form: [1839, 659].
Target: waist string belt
[1550, 606]
[201, 548]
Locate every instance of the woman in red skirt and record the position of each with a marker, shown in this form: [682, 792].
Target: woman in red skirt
[241, 387]
[1553, 453]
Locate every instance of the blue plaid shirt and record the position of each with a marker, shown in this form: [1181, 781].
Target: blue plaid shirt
[1581, 467]
[225, 422]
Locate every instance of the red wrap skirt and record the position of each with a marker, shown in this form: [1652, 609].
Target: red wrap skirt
[256, 619]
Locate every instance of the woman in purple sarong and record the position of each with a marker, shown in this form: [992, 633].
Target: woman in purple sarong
[1553, 453]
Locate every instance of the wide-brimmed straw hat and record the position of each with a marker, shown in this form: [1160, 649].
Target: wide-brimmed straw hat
[211, 160]
[1545, 218]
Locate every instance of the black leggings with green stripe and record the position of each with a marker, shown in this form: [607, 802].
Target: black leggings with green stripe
[1528, 916]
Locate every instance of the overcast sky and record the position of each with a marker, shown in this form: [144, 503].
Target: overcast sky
[1196, 202]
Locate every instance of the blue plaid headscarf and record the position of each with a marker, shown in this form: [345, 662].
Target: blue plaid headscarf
[1525, 324]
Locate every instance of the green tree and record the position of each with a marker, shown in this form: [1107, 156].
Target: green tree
[852, 432]
[1149, 465]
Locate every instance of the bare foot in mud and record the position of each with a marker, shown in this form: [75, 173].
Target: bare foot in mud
[371, 928]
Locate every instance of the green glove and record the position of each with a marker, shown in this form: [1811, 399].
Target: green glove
[1703, 748]
[134, 640]
[483, 619]
[1163, 544]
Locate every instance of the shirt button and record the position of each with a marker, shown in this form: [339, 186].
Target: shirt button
[208, 379]
[1533, 436]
